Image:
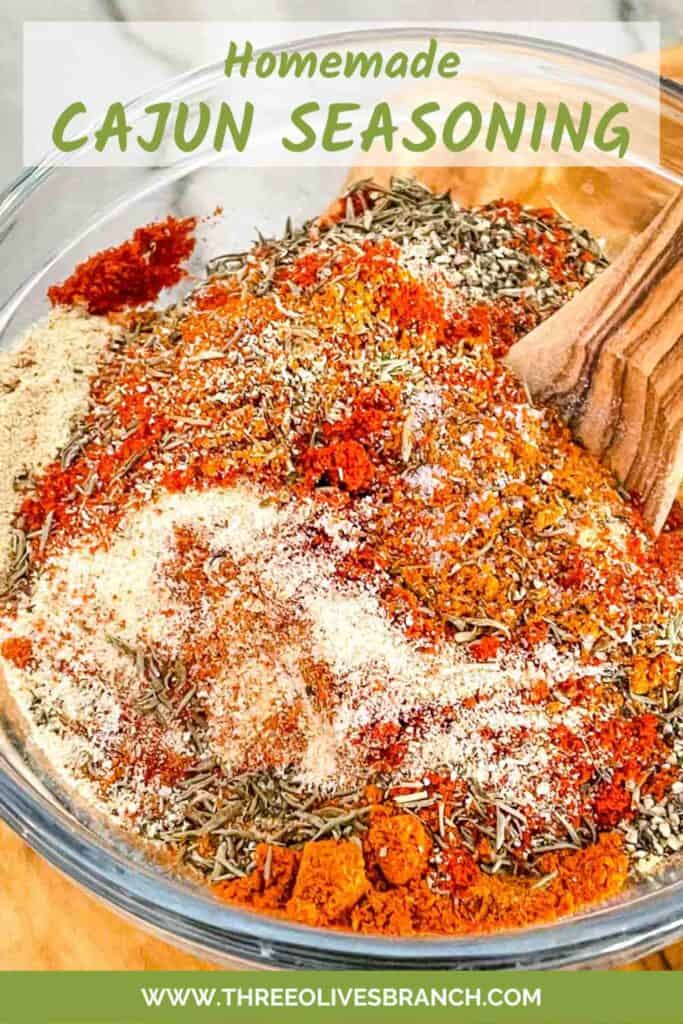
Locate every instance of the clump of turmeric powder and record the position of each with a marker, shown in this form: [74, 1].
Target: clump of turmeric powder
[333, 888]
[330, 881]
[270, 884]
[400, 846]
[318, 886]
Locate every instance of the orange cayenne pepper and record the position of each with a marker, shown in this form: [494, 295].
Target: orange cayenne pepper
[131, 274]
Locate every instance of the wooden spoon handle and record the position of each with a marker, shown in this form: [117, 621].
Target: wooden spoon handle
[611, 363]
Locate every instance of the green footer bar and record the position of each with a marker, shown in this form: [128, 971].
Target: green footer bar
[152, 997]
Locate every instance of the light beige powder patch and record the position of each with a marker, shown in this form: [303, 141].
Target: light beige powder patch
[44, 386]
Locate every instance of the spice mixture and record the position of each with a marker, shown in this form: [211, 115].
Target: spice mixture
[313, 599]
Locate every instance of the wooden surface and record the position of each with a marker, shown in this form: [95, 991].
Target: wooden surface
[47, 922]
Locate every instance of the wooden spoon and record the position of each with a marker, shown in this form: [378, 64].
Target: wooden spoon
[611, 362]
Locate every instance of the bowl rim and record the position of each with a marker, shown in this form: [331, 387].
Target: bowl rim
[221, 930]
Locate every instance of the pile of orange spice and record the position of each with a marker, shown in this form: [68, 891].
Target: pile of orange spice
[357, 374]
[381, 887]
[133, 273]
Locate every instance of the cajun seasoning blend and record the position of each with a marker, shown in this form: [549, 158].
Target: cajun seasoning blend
[314, 601]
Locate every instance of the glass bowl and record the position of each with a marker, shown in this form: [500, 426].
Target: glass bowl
[54, 216]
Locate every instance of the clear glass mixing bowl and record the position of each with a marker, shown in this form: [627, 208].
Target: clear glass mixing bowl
[52, 217]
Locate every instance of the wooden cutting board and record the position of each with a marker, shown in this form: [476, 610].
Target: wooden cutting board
[49, 923]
